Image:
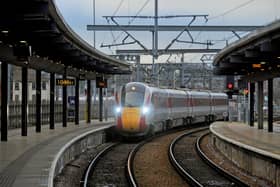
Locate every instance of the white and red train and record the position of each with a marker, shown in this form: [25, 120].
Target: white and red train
[143, 109]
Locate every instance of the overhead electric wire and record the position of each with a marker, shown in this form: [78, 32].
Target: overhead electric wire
[225, 13]
[232, 9]
[115, 12]
[130, 21]
[118, 8]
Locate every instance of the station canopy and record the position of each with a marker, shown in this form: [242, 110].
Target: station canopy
[33, 33]
[255, 56]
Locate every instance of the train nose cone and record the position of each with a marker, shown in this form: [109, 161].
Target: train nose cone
[131, 119]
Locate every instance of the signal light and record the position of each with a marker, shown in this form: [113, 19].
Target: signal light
[230, 86]
[245, 92]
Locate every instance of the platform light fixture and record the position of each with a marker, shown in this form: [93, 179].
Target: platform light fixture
[23, 41]
[5, 31]
[262, 62]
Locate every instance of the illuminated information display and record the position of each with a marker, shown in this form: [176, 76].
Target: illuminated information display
[65, 82]
[101, 83]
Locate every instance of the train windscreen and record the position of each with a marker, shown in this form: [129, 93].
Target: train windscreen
[133, 96]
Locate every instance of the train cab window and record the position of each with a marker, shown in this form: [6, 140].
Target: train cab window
[133, 96]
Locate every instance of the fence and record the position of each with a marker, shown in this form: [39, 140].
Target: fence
[14, 112]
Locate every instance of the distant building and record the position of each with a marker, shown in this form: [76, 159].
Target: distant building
[16, 84]
[187, 75]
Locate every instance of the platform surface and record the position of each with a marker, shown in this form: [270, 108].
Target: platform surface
[250, 138]
[25, 161]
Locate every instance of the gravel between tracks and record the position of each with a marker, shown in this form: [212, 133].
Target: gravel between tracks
[152, 167]
[72, 173]
[216, 156]
[110, 169]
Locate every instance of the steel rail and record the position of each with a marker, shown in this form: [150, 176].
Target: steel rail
[94, 162]
[214, 165]
[184, 174]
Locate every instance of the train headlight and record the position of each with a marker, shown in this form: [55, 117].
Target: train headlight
[118, 110]
[145, 110]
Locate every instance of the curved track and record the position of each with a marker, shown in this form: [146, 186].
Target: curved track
[148, 163]
[108, 167]
[214, 165]
[186, 159]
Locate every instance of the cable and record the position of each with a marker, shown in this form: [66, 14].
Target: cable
[130, 21]
[139, 11]
[115, 12]
[233, 9]
[224, 13]
[118, 8]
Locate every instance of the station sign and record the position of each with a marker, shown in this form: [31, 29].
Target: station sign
[101, 83]
[256, 66]
[65, 82]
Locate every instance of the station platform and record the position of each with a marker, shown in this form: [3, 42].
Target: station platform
[253, 150]
[26, 160]
[250, 138]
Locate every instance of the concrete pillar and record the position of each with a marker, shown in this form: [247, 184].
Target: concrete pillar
[38, 101]
[4, 101]
[77, 95]
[100, 104]
[88, 101]
[52, 86]
[260, 104]
[270, 105]
[251, 103]
[24, 97]
[64, 103]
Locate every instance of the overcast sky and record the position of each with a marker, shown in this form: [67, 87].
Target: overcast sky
[79, 13]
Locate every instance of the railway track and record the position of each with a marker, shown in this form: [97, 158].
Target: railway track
[108, 168]
[125, 164]
[115, 165]
[185, 156]
[148, 163]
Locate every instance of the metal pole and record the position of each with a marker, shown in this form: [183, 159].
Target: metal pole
[88, 101]
[100, 104]
[4, 101]
[137, 71]
[182, 71]
[52, 86]
[77, 95]
[153, 60]
[24, 80]
[156, 28]
[155, 41]
[38, 101]
[64, 102]
[93, 14]
[252, 102]
[270, 105]
[260, 105]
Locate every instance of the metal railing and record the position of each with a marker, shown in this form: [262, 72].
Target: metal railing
[14, 112]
